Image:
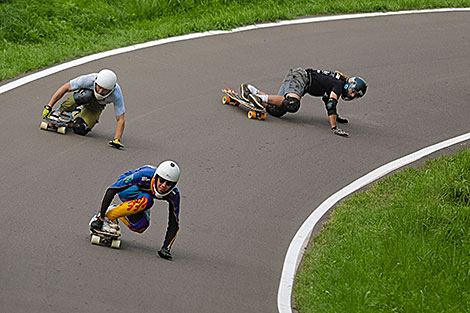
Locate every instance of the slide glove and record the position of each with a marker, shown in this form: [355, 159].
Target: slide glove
[165, 253]
[339, 132]
[341, 120]
[116, 144]
[47, 111]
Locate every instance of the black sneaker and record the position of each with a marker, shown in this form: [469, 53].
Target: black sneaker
[256, 101]
[96, 223]
[245, 92]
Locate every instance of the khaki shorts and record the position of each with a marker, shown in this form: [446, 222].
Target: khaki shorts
[295, 81]
[90, 112]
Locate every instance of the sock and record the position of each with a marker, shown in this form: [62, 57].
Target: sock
[253, 89]
[263, 98]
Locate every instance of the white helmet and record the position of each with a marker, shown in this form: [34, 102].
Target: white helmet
[107, 80]
[170, 171]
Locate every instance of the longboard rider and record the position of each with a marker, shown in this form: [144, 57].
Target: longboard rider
[137, 190]
[318, 83]
[92, 92]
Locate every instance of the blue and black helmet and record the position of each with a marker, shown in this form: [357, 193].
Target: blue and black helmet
[358, 85]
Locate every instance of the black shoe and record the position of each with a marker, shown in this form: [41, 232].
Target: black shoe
[245, 92]
[97, 224]
[341, 120]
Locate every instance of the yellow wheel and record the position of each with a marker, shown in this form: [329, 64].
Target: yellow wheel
[252, 114]
[44, 125]
[226, 100]
[262, 116]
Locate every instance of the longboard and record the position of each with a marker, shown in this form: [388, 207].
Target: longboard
[56, 124]
[233, 98]
[98, 237]
[48, 124]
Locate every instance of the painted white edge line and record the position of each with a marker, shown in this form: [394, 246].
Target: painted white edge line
[32, 77]
[300, 240]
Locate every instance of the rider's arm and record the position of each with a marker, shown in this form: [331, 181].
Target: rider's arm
[108, 198]
[120, 123]
[332, 117]
[173, 224]
[59, 94]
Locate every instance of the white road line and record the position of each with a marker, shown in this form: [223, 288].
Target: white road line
[298, 243]
[295, 250]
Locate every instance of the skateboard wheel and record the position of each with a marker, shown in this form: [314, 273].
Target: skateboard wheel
[251, 114]
[262, 116]
[95, 240]
[62, 130]
[225, 100]
[116, 244]
[44, 125]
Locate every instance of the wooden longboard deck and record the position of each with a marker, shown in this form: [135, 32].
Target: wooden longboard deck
[232, 94]
[105, 234]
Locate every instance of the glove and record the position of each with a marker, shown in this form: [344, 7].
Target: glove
[116, 144]
[47, 111]
[339, 132]
[165, 253]
[341, 120]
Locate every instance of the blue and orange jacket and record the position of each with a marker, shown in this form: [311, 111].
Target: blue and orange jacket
[144, 178]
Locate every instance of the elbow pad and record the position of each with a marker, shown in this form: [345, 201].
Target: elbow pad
[331, 106]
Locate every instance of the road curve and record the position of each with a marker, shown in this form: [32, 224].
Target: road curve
[247, 185]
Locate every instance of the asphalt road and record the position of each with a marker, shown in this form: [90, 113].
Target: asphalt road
[247, 185]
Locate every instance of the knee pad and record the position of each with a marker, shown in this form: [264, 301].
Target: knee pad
[83, 96]
[80, 127]
[275, 110]
[291, 104]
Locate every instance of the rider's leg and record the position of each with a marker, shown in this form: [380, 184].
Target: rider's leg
[130, 211]
[137, 222]
[90, 113]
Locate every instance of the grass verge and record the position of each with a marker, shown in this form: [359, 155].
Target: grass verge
[402, 246]
[36, 33]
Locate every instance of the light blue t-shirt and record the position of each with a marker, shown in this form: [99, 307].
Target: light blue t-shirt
[88, 82]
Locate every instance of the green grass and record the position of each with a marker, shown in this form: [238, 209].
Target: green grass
[37, 33]
[402, 246]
